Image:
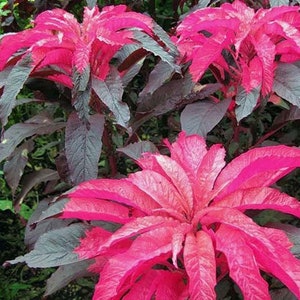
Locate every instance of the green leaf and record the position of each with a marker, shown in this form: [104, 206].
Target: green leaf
[6, 205]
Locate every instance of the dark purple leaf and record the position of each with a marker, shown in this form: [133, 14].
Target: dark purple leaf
[110, 93]
[83, 146]
[33, 232]
[167, 97]
[246, 102]
[149, 44]
[201, 117]
[286, 82]
[282, 294]
[65, 274]
[13, 85]
[160, 74]
[288, 115]
[14, 166]
[54, 248]
[32, 179]
[14, 135]
[135, 150]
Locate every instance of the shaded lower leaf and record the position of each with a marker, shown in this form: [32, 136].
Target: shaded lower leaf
[201, 117]
[83, 146]
[32, 179]
[14, 166]
[14, 135]
[65, 274]
[54, 248]
[135, 150]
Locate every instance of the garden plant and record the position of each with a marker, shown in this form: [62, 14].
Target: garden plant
[153, 146]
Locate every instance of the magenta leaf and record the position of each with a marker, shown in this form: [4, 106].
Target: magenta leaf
[257, 168]
[199, 261]
[145, 248]
[83, 146]
[201, 117]
[261, 198]
[238, 253]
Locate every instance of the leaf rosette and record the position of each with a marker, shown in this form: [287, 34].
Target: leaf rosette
[182, 225]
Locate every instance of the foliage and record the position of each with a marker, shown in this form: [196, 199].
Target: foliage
[172, 208]
[84, 88]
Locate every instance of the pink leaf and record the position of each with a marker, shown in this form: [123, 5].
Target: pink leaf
[95, 209]
[260, 198]
[200, 265]
[159, 189]
[169, 168]
[188, 151]
[145, 248]
[122, 191]
[243, 267]
[257, 168]
[210, 167]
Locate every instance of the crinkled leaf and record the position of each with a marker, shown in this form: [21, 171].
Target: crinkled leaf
[54, 248]
[246, 102]
[243, 268]
[261, 198]
[257, 168]
[159, 189]
[14, 166]
[145, 248]
[200, 265]
[122, 191]
[110, 93]
[81, 100]
[135, 150]
[96, 209]
[201, 117]
[137, 226]
[34, 178]
[14, 135]
[286, 82]
[83, 146]
[65, 274]
[188, 151]
[293, 234]
[14, 83]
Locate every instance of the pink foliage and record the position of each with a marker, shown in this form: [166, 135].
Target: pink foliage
[59, 45]
[183, 218]
[238, 42]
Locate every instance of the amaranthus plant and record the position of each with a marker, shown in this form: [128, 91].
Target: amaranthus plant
[254, 54]
[182, 225]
